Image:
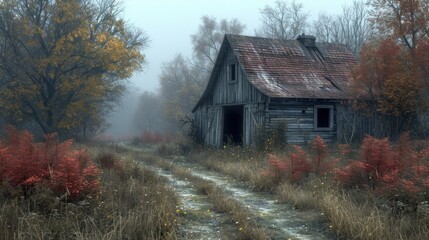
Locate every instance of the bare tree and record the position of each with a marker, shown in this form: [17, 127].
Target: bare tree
[179, 90]
[206, 42]
[324, 30]
[149, 114]
[351, 28]
[284, 20]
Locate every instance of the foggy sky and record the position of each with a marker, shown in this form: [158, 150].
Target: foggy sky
[169, 24]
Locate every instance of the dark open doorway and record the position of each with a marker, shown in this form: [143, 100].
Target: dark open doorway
[233, 125]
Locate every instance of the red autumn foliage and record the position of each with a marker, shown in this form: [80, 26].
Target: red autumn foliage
[25, 164]
[321, 162]
[386, 77]
[298, 164]
[388, 169]
[294, 167]
[377, 164]
[379, 158]
[354, 174]
[278, 166]
[319, 153]
[345, 150]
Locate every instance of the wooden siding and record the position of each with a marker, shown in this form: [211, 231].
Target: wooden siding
[254, 119]
[354, 124]
[298, 115]
[234, 93]
[214, 134]
[200, 116]
[209, 116]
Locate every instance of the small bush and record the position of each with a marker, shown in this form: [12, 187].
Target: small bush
[398, 172]
[108, 160]
[320, 157]
[298, 165]
[293, 168]
[25, 164]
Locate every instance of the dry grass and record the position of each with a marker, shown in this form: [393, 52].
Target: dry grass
[241, 164]
[355, 222]
[299, 198]
[354, 215]
[365, 221]
[134, 204]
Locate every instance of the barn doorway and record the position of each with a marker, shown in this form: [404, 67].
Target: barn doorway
[233, 125]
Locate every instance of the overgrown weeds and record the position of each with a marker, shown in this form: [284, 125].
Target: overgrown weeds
[133, 203]
[379, 191]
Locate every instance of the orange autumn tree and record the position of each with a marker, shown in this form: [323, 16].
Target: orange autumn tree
[385, 75]
[64, 62]
[392, 73]
[404, 20]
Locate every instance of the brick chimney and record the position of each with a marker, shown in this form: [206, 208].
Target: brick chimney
[307, 40]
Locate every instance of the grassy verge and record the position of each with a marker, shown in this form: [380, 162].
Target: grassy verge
[134, 203]
[247, 226]
[356, 214]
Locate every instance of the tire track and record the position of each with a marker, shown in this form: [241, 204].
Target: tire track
[198, 220]
[282, 220]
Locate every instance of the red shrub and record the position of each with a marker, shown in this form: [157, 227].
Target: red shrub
[354, 174]
[298, 164]
[388, 169]
[319, 153]
[26, 164]
[379, 157]
[345, 150]
[320, 157]
[377, 163]
[279, 166]
[294, 167]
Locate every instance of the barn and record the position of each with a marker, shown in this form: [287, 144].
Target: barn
[262, 83]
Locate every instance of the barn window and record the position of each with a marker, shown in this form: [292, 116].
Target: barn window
[232, 73]
[323, 117]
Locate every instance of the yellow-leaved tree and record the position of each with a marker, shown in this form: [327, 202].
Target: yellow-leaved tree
[64, 63]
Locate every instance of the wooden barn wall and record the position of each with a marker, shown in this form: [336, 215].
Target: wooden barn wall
[254, 119]
[209, 115]
[199, 115]
[237, 92]
[299, 125]
[355, 124]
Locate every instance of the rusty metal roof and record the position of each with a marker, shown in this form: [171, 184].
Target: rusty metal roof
[288, 69]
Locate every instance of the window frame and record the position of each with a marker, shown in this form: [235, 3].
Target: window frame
[230, 74]
[331, 117]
